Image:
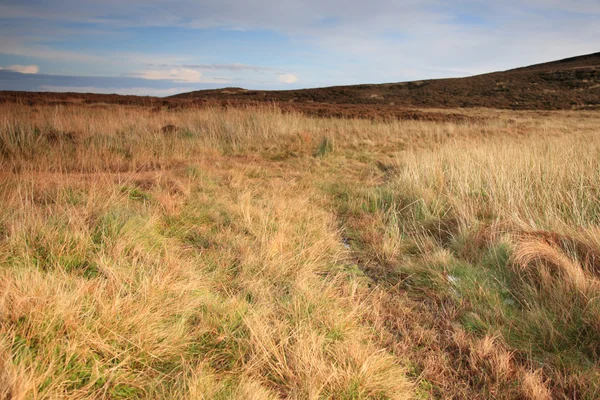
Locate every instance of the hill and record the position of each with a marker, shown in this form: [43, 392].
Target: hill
[572, 83]
[564, 84]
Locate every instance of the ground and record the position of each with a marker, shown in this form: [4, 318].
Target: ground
[227, 252]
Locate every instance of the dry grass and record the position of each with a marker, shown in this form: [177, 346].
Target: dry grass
[248, 253]
[497, 234]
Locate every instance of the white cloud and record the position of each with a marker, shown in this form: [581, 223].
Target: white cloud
[355, 41]
[137, 91]
[288, 78]
[17, 47]
[23, 69]
[175, 74]
[229, 67]
[180, 75]
[21, 46]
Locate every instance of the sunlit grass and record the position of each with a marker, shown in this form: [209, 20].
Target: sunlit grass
[250, 253]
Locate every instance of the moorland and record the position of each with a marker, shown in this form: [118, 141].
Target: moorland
[230, 248]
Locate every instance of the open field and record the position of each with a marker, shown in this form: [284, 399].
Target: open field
[211, 252]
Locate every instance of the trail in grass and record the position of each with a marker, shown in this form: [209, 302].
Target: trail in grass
[448, 298]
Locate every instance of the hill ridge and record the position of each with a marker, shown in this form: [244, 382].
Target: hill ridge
[572, 82]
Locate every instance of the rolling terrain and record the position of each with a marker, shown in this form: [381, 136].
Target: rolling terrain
[572, 83]
[565, 84]
[252, 253]
[236, 248]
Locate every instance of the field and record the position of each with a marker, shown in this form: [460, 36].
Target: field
[262, 253]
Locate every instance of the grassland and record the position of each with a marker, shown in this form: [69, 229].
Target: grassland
[255, 254]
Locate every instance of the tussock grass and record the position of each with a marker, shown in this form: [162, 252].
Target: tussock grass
[499, 236]
[138, 263]
[250, 253]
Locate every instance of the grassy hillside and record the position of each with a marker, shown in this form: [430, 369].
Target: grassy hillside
[256, 254]
[573, 83]
[564, 84]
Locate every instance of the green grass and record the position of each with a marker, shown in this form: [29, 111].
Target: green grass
[261, 254]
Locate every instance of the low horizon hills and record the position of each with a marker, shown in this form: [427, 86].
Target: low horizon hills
[571, 83]
[563, 84]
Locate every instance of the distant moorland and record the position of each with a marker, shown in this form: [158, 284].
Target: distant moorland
[218, 248]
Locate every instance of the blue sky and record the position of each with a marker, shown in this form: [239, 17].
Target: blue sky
[163, 47]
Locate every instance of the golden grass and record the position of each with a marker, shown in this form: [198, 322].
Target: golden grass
[203, 253]
[497, 233]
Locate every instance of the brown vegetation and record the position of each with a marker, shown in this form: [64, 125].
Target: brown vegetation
[218, 252]
[561, 85]
[567, 84]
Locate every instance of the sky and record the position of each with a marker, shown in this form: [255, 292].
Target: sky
[164, 47]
